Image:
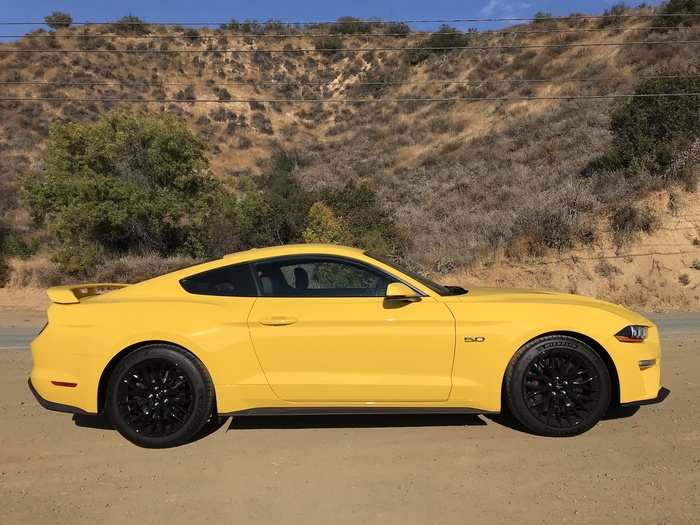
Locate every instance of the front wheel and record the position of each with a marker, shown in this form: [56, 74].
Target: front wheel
[557, 386]
[160, 396]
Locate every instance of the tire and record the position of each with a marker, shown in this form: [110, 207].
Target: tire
[557, 386]
[160, 396]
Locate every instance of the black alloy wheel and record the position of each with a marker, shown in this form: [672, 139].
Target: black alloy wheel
[160, 396]
[558, 386]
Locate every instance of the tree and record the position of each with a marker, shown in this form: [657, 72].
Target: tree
[58, 20]
[325, 227]
[128, 183]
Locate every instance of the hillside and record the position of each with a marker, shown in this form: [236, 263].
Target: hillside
[469, 183]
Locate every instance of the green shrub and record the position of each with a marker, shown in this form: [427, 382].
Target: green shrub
[444, 37]
[58, 20]
[653, 129]
[679, 7]
[324, 227]
[348, 25]
[4, 267]
[130, 24]
[330, 45]
[629, 219]
[126, 183]
[614, 16]
[4, 271]
[652, 132]
[398, 28]
[372, 227]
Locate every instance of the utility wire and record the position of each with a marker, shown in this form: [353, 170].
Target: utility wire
[372, 22]
[60, 83]
[353, 50]
[186, 37]
[355, 100]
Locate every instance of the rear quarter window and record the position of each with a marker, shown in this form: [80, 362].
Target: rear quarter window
[230, 281]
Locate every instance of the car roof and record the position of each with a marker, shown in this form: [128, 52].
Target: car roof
[292, 249]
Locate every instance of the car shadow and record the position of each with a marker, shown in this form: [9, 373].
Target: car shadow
[506, 419]
[354, 421]
[101, 422]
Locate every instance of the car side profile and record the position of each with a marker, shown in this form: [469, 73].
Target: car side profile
[330, 329]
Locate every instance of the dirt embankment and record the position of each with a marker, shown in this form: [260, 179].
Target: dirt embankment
[656, 272]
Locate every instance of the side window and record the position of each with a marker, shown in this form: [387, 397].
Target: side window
[230, 281]
[320, 277]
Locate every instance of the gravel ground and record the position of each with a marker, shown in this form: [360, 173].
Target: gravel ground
[636, 467]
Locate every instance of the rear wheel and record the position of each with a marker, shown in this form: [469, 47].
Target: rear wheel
[557, 386]
[160, 396]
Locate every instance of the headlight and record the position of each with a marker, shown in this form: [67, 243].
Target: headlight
[632, 334]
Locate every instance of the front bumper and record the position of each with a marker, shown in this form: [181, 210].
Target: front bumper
[50, 405]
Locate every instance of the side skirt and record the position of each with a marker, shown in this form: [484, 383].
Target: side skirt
[334, 411]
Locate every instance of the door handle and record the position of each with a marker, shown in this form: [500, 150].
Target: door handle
[278, 321]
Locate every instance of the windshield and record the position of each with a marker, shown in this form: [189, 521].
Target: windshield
[428, 283]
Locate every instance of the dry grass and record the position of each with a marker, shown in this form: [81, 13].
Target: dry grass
[40, 272]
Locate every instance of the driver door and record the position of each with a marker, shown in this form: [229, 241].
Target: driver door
[323, 332]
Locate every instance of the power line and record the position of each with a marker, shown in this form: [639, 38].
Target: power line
[354, 50]
[60, 83]
[186, 37]
[360, 21]
[354, 101]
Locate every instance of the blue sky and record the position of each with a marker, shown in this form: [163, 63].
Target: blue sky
[310, 10]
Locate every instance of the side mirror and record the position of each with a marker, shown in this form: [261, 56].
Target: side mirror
[401, 292]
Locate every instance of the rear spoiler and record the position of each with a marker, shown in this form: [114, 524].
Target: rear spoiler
[73, 293]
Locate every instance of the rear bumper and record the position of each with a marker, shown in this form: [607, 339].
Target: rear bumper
[50, 405]
[660, 397]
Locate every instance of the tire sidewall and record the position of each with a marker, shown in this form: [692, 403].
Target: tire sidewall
[201, 386]
[516, 375]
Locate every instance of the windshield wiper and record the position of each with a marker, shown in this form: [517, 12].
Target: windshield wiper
[457, 290]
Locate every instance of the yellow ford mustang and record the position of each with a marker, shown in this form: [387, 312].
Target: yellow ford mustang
[330, 329]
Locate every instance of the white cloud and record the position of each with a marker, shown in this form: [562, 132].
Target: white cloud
[504, 8]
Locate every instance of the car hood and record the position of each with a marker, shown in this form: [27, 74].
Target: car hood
[523, 296]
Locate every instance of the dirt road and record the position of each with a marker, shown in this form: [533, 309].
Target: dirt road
[641, 467]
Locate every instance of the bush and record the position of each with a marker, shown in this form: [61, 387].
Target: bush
[606, 269]
[651, 132]
[128, 183]
[186, 94]
[541, 16]
[58, 20]
[614, 15]
[130, 24]
[348, 25]
[325, 227]
[629, 219]
[678, 7]
[371, 227]
[444, 37]
[4, 267]
[330, 45]
[398, 28]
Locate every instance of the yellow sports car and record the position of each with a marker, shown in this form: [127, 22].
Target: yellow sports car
[329, 329]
